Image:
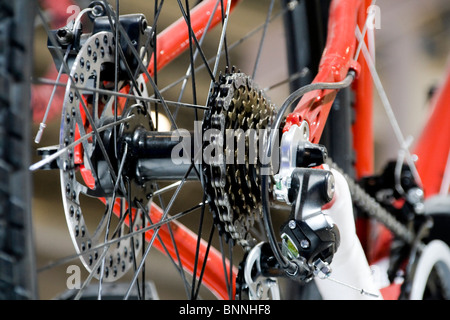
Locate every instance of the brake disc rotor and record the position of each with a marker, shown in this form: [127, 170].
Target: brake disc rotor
[83, 176]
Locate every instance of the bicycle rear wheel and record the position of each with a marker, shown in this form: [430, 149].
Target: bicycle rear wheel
[103, 168]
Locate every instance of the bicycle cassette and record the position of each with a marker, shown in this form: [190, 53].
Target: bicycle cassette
[238, 118]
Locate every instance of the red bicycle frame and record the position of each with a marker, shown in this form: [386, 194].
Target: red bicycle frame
[345, 15]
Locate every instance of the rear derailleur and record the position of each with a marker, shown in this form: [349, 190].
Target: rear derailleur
[309, 238]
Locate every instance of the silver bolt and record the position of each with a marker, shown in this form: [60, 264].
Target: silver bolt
[292, 5]
[331, 186]
[415, 195]
[97, 11]
[259, 289]
[292, 224]
[304, 244]
[305, 132]
[322, 269]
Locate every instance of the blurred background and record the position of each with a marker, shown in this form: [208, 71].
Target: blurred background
[412, 55]
[412, 51]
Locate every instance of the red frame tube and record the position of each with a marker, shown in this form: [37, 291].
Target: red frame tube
[363, 140]
[433, 146]
[334, 66]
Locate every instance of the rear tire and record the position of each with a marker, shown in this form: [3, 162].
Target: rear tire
[17, 259]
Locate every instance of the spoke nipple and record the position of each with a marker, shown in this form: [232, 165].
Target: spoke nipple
[40, 132]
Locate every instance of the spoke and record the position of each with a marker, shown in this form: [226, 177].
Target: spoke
[222, 250]
[114, 241]
[290, 79]
[178, 267]
[166, 211]
[144, 69]
[108, 225]
[186, 15]
[43, 125]
[58, 153]
[91, 275]
[101, 225]
[143, 252]
[227, 58]
[116, 75]
[175, 246]
[142, 56]
[155, 49]
[44, 81]
[130, 230]
[200, 278]
[167, 188]
[61, 68]
[230, 47]
[230, 252]
[197, 251]
[191, 69]
[219, 49]
[191, 53]
[155, 60]
[263, 37]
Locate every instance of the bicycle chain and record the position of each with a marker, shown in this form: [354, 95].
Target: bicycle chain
[238, 107]
[373, 209]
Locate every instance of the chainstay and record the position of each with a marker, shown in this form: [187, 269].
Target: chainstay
[373, 209]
